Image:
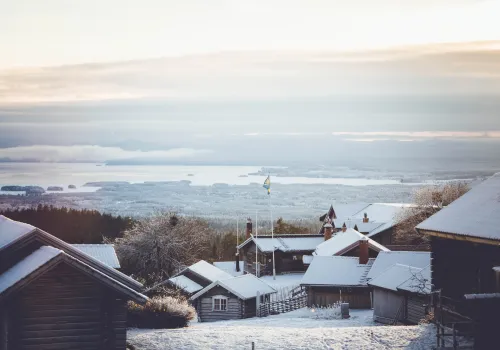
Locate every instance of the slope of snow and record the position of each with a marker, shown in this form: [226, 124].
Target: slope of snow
[344, 240]
[229, 267]
[11, 230]
[290, 280]
[288, 332]
[244, 287]
[336, 271]
[394, 276]
[105, 253]
[387, 259]
[209, 271]
[185, 283]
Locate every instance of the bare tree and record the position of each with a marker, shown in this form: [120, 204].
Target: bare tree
[158, 246]
[426, 202]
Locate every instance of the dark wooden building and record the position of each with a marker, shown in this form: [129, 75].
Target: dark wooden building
[57, 297]
[230, 299]
[465, 248]
[288, 252]
[332, 279]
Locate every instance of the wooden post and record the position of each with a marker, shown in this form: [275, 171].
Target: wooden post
[253, 345]
[4, 329]
[454, 337]
[257, 302]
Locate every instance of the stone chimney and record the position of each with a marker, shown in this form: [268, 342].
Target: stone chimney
[363, 251]
[344, 227]
[328, 231]
[249, 228]
[365, 218]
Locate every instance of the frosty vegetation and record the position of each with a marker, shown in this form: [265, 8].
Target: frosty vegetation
[426, 202]
[160, 312]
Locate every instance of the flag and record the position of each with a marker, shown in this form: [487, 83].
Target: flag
[267, 184]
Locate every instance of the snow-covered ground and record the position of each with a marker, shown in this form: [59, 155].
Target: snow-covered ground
[294, 330]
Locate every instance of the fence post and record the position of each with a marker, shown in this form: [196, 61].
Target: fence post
[257, 304]
[253, 345]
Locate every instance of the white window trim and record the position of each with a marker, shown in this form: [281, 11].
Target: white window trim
[219, 297]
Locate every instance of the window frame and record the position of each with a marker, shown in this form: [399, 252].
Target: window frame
[219, 299]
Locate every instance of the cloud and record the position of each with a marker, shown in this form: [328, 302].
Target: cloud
[88, 153]
[417, 135]
[468, 68]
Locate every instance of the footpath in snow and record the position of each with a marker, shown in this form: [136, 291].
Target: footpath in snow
[294, 330]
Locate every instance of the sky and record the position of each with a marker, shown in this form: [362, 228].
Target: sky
[87, 80]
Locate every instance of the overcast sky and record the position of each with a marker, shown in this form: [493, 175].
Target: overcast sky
[195, 77]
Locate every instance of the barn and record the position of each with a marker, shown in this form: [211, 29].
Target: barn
[55, 296]
[230, 299]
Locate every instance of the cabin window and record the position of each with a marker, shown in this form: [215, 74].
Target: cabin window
[219, 303]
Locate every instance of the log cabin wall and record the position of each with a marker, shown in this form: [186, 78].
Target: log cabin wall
[357, 297]
[235, 307]
[66, 309]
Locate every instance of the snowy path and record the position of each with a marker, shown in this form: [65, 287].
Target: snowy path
[279, 332]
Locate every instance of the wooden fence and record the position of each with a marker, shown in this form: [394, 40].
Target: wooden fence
[282, 306]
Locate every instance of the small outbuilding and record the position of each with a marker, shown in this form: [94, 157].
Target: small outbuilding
[229, 299]
[401, 294]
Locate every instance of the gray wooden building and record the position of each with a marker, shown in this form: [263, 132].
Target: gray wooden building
[401, 294]
[55, 296]
[230, 299]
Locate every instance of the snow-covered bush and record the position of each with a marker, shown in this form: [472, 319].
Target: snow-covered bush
[160, 312]
[330, 312]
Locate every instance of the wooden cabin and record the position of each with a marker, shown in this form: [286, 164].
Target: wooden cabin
[376, 221]
[288, 252]
[332, 279]
[401, 294]
[230, 299]
[195, 277]
[465, 248]
[58, 297]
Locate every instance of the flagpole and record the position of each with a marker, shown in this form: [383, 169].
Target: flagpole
[272, 234]
[237, 231]
[256, 248]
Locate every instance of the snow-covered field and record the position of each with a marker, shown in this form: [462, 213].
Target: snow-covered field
[294, 330]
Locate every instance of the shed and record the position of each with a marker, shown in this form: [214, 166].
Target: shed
[401, 294]
[57, 297]
[330, 279]
[233, 298]
[346, 243]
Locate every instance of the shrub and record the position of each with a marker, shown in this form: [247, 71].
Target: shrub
[160, 312]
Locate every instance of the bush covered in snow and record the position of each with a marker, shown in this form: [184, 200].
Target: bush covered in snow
[330, 312]
[160, 312]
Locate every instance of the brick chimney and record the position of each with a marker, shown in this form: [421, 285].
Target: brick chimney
[328, 229]
[365, 218]
[363, 251]
[249, 228]
[344, 227]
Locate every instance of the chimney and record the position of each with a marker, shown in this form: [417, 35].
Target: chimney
[237, 257]
[365, 218]
[363, 251]
[328, 228]
[344, 227]
[249, 228]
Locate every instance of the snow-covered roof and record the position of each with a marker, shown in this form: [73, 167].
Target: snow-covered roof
[337, 271]
[380, 212]
[27, 266]
[418, 283]
[208, 271]
[40, 259]
[385, 260]
[105, 253]
[185, 283]
[475, 214]
[343, 242]
[11, 230]
[285, 243]
[345, 210]
[394, 276]
[367, 227]
[244, 287]
[230, 267]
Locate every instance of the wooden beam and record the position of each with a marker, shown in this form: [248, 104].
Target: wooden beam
[4, 328]
[461, 237]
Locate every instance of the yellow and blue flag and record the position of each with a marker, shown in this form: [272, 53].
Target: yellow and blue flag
[267, 184]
